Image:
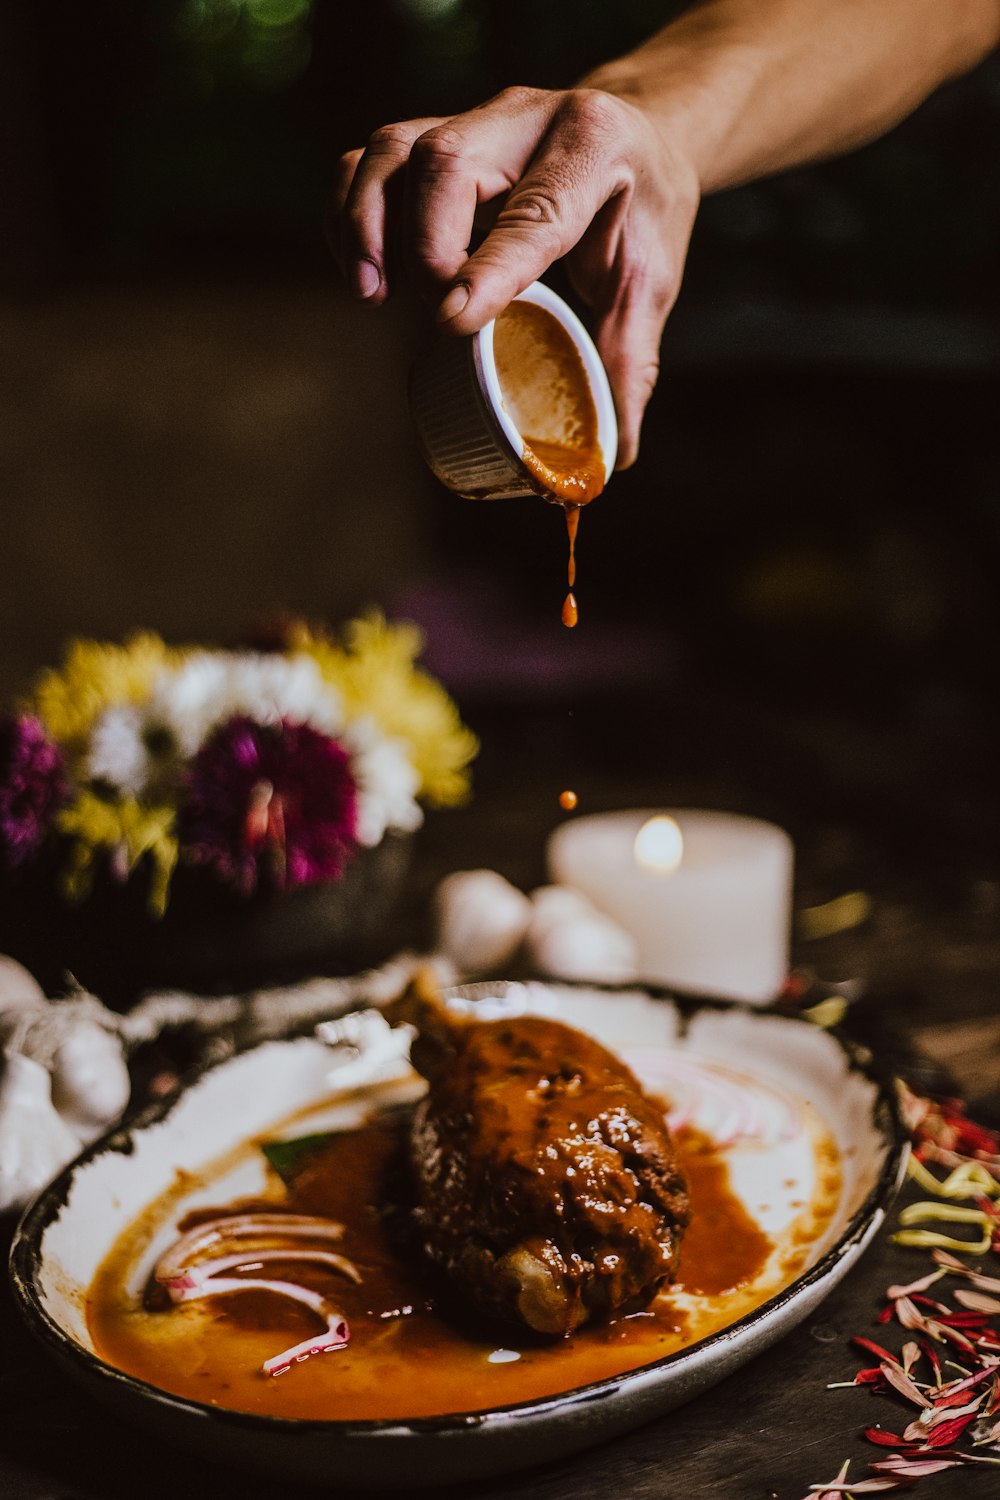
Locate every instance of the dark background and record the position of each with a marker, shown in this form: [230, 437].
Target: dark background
[789, 605]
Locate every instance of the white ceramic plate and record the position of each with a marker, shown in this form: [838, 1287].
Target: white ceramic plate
[748, 1077]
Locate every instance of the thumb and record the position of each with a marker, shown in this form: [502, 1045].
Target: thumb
[544, 216]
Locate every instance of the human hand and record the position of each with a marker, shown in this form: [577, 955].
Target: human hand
[577, 173]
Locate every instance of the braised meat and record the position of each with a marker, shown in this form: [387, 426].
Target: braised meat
[548, 1187]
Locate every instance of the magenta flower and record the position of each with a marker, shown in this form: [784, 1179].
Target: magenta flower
[32, 788]
[272, 800]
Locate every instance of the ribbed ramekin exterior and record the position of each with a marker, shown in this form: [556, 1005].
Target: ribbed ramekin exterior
[461, 441]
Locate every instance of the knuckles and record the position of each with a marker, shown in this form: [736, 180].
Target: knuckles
[440, 149]
[519, 97]
[593, 114]
[392, 140]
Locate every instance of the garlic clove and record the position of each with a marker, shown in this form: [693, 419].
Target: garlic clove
[583, 947]
[552, 905]
[480, 920]
[35, 1142]
[90, 1080]
[18, 988]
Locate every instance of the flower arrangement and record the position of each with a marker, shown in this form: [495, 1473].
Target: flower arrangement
[272, 769]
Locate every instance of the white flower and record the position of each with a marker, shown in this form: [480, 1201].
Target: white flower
[387, 782]
[186, 699]
[118, 753]
[270, 687]
[211, 687]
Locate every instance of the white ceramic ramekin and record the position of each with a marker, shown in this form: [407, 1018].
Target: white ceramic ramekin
[467, 435]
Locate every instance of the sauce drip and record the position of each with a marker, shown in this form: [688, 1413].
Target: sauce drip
[414, 1349]
[568, 474]
[570, 612]
[548, 396]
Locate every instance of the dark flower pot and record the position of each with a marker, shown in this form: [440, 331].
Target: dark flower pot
[210, 940]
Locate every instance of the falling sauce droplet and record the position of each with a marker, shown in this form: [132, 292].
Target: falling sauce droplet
[572, 526]
[570, 611]
[568, 800]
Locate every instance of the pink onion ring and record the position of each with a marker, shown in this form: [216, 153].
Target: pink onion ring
[237, 1227]
[187, 1278]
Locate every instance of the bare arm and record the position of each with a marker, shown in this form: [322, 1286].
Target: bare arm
[609, 174]
[753, 86]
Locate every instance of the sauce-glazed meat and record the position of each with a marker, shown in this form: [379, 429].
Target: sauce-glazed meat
[548, 1186]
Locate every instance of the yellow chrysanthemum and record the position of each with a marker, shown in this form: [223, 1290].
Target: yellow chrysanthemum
[127, 830]
[95, 677]
[376, 674]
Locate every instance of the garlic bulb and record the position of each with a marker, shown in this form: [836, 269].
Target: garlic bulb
[77, 1041]
[570, 939]
[35, 1142]
[90, 1080]
[481, 920]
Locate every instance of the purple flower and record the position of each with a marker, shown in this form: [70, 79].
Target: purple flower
[32, 787]
[278, 800]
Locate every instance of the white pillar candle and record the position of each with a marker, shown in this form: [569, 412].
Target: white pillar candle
[706, 895]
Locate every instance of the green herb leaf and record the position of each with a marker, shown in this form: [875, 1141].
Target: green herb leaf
[287, 1156]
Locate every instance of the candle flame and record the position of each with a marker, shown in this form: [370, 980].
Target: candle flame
[659, 846]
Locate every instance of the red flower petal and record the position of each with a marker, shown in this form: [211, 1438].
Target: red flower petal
[885, 1439]
[946, 1432]
[874, 1348]
[870, 1377]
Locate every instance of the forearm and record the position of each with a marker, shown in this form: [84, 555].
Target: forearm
[749, 87]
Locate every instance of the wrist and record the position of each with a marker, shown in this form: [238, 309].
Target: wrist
[695, 93]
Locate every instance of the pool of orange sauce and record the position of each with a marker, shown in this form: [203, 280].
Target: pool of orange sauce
[413, 1352]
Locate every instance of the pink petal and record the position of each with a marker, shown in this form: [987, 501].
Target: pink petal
[914, 1468]
[904, 1385]
[978, 1301]
[895, 1292]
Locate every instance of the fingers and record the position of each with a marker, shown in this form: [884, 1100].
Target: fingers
[365, 208]
[576, 168]
[459, 169]
[554, 158]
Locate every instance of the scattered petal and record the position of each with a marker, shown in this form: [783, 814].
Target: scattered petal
[895, 1292]
[914, 1468]
[979, 1301]
[904, 1385]
[873, 1348]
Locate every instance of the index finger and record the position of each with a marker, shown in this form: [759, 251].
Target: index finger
[458, 166]
[575, 170]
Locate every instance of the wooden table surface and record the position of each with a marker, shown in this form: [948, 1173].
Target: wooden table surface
[922, 969]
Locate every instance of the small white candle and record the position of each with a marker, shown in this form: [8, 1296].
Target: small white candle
[706, 895]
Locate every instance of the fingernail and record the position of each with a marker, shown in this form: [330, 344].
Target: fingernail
[367, 279]
[454, 303]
